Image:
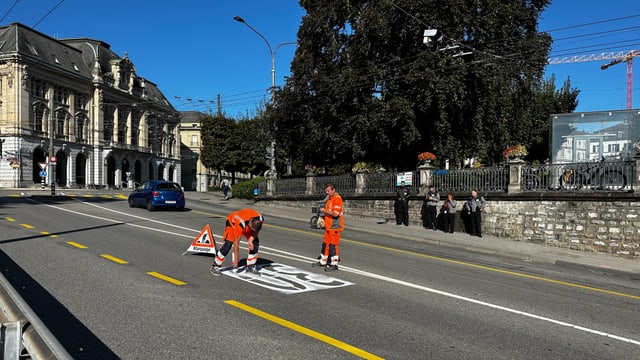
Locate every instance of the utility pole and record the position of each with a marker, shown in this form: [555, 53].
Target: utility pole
[52, 165]
[271, 152]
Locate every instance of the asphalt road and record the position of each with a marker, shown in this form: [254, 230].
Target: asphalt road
[112, 282]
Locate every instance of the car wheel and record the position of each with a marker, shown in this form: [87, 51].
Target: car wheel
[131, 202]
[150, 206]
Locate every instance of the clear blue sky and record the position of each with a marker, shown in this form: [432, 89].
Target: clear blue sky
[194, 49]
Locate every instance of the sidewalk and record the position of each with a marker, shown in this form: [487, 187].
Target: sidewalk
[487, 244]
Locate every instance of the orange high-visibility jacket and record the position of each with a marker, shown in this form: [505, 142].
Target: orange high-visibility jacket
[238, 224]
[333, 218]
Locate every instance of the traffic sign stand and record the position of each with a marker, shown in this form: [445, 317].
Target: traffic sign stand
[203, 243]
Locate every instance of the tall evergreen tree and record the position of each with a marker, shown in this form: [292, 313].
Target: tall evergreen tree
[365, 87]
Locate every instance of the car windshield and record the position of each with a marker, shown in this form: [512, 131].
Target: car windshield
[168, 187]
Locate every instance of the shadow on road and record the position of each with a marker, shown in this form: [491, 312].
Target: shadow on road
[78, 340]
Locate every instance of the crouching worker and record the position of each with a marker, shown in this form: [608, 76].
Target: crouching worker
[247, 222]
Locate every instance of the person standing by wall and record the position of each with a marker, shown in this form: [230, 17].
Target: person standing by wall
[449, 213]
[429, 208]
[334, 224]
[401, 205]
[474, 207]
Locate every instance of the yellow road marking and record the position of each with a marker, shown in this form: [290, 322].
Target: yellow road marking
[10, 219]
[120, 196]
[206, 213]
[106, 196]
[75, 244]
[303, 330]
[513, 273]
[87, 195]
[508, 272]
[114, 259]
[15, 195]
[166, 278]
[26, 226]
[48, 233]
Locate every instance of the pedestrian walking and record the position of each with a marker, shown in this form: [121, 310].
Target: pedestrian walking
[226, 186]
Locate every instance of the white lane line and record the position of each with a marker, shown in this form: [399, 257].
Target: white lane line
[120, 222]
[296, 257]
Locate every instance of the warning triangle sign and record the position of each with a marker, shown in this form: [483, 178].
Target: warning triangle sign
[204, 242]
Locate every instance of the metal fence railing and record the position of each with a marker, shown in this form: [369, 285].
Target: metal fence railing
[591, 176]
[296, 186]
[463, 180]
[345, 184]
[595, 176]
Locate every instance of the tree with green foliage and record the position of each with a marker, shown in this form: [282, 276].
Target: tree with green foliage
[215, 134]
[234, 145]
[364, 86]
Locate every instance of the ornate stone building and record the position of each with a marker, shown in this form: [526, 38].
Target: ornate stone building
[78, 101]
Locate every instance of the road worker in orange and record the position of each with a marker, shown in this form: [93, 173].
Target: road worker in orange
[247, 222]
[334, 224]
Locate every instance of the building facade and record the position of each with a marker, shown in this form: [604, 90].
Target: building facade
[195, 176]
[77, 102]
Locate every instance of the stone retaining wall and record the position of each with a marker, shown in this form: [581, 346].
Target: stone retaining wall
[606, 222]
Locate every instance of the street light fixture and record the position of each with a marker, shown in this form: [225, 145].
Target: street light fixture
[272, 52]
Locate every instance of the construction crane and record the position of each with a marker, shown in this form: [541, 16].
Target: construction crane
[615, 57]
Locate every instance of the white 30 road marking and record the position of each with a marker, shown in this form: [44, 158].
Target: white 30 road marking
[287, 279]
[296, 257]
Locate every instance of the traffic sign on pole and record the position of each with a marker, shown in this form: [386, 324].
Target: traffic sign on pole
[43, 166]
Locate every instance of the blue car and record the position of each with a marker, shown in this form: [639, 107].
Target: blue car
[156, 194]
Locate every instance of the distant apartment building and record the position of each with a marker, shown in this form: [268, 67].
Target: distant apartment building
[77, 102]
[195, 176]
[588, 137]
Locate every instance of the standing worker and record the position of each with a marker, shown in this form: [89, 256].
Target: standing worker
[247, 222]
[334, 224]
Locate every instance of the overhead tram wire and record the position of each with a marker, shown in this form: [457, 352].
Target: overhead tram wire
[8, 11]
[224, 99]
[492, 57]
[593, 23]
[407, 62]
[47, 14]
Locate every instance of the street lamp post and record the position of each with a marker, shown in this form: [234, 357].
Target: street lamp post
[272, 52]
